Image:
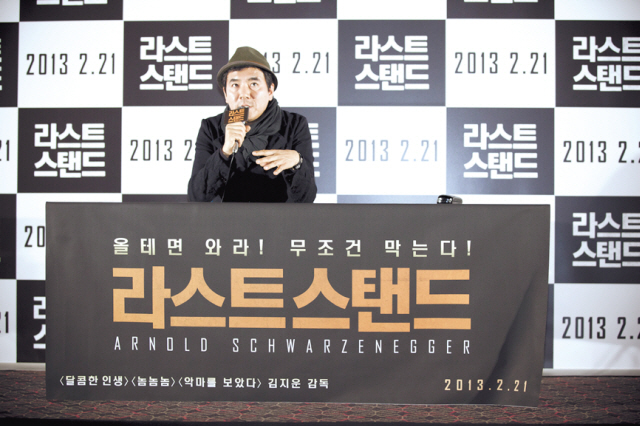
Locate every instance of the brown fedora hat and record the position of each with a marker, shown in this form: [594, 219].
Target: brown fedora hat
[250, 57]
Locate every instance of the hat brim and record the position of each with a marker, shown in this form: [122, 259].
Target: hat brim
[247, 64]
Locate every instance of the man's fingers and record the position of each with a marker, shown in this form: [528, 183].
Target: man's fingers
[264, 153]
[282, 159]
[268, 162]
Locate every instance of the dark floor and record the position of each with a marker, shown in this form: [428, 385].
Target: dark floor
[578, 400]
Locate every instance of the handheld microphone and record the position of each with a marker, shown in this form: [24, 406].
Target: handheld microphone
[235, 116]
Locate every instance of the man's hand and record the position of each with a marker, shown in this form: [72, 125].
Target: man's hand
[281, 159]
[234, 132]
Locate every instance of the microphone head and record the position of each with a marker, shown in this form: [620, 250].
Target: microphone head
[236, 115]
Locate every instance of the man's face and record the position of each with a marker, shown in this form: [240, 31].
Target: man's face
[248, 88]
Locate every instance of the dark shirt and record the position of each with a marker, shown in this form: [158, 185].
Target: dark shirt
[248, 181]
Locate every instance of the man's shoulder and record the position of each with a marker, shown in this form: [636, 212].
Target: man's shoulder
[214, 122]
[293, 118]
[215, 118]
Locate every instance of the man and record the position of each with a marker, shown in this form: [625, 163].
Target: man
[267, 159]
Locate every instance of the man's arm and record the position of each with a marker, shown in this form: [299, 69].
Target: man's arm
[301, 183]
[210, 167]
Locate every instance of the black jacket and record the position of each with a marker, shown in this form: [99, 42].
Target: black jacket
[249, 182]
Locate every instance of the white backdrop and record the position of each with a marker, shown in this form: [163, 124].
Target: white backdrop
[497, 101]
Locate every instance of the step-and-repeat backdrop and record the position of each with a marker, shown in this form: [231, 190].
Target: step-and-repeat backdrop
[497, 101]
